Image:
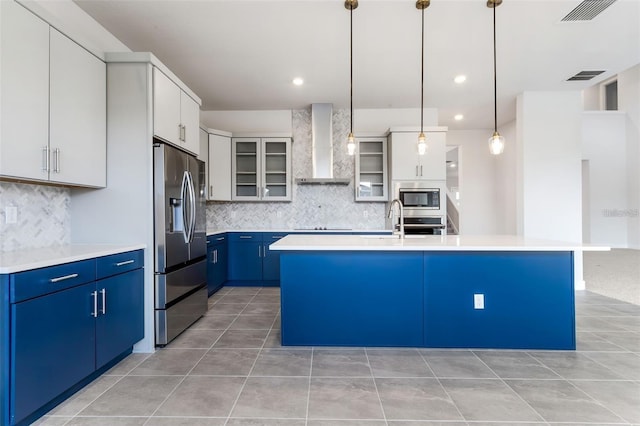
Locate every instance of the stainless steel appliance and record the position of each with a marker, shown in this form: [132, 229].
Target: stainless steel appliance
[424, 208]
[180, 241]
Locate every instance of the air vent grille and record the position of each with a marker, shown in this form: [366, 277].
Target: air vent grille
[585, 75]
[587, 10]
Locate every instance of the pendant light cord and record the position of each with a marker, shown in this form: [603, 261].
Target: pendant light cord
[351, 63]
[422, 78]
[495, 78]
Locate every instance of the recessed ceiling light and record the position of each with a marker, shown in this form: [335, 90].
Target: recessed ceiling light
[458, 117]
[460, 79]
[298, 81]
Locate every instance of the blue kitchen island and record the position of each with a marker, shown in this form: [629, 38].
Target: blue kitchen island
[501, 292]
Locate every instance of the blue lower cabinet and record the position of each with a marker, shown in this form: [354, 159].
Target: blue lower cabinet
[52, 347]
[514, 300]
[57, 338]
[245, 261]
[120, 321]
[352, 298]
[217, 262]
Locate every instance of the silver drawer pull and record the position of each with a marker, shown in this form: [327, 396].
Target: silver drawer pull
[104, 300]
[126, 262]
[222, 238]
[94, 294]
[66, 277]
[246, 237]
[277, 236]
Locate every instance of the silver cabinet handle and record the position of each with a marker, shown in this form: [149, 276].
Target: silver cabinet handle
[259, 251]
[179, 131]
[210, 191]
[264, 251]
[220, 239]
[216, 254]
[66, 277]
[420, 170]
[45, 158]
[95, 304]
[126, 262]
[184, 133]
[245, 237]
[275, 237]
[56, 160]
[104, 300]
[416, 170]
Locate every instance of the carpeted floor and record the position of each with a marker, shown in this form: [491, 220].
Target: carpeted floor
[614, 273]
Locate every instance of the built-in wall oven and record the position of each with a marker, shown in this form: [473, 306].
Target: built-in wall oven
[424, 208]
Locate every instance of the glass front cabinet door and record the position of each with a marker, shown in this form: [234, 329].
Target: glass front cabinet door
[371, 169]
[261, 169]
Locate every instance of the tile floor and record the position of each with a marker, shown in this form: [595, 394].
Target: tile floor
[229, 369]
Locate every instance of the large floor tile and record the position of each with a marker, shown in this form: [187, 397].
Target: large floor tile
[226, 362]
[415, 399]
[434, 423]
[628, 323]
[265, 422]
[107, 421]
[237, 298]
[515, 364]
[214, 322]
[185, 421]
[560, 401]
[251, 291]
[169, 362]
[625, 365]
[626, 340]
[456, 364]
[344, 398]
[79, 401]
[283, 362]
[279, 397]
[242, 339]
[488, 400]
[255, 308]
[595, 324]
[575, 365]
[196, 339]
[621, 397]
[266, 298]
[125, 366]
[340, 362]
[202, 396]
[397, 363]
[133, 396]
[51, 421]
[225, 308]
[253, 322]
[274, 339]
[343, 422]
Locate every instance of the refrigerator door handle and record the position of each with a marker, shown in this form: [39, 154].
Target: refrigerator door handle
[183, 193]
[192, 210]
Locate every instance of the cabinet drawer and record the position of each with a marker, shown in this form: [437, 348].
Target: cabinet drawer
[119, 263]
[272, 237]
[245, 236]
[216, 239]
[29, 284]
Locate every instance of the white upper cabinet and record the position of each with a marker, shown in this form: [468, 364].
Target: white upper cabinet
[53, 104]
[176, 117]
[219, 167]
[371, 169]
[24, 86]
[407, 165]
[78, 111]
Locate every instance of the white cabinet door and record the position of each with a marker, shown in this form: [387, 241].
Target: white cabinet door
[166, 108]
[245, 169]
[276, 169]
[405, 162]
[434, 163]
[219, 168]
[190, 120]
[78, 102]
[24, 75]
[371, 169]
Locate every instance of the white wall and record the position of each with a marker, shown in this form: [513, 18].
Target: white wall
[629, 102]
[476, 177]
[505, 182]
[604, 147]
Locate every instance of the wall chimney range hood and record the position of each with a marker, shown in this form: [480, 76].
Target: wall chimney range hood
[322, 148]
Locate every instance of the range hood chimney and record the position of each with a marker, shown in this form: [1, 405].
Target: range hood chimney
[322, 148]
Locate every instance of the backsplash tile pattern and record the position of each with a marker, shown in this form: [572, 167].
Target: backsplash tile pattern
[330, 206]
[43, 216]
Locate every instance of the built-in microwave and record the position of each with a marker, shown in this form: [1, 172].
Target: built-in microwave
[422, 198]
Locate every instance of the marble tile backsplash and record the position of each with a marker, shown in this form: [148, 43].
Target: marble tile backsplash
[43, 216]
[313, 206]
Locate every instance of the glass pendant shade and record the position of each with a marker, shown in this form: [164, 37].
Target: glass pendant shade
[422, 144]
[496, 144]
[351, 144]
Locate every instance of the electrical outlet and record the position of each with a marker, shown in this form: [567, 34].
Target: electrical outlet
[365, 214]
[11, 214]
[279, 214]
[478, 301]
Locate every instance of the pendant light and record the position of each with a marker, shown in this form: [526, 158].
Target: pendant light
[422, 141]
[350, 5]
[496, 142]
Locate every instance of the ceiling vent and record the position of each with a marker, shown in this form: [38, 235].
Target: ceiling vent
[587, 10]
[585, 75]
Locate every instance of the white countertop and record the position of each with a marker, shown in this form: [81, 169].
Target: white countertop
[24, 260]
[425, 243]
[289, 231]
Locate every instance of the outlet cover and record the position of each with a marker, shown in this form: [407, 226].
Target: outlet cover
[11, 214]
[478, 301]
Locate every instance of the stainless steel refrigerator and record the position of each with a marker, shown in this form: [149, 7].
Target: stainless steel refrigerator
[180, 241]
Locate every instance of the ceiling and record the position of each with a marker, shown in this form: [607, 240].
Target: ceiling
[243, 55]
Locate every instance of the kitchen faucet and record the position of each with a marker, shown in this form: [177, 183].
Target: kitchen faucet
[395, 200]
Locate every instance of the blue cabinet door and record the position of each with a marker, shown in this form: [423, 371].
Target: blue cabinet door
[245, 261]
[221, 266]
[527, 297]
[52, 347]
[211, 269]
[120, 321]
[271, 265]
[217, 262]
